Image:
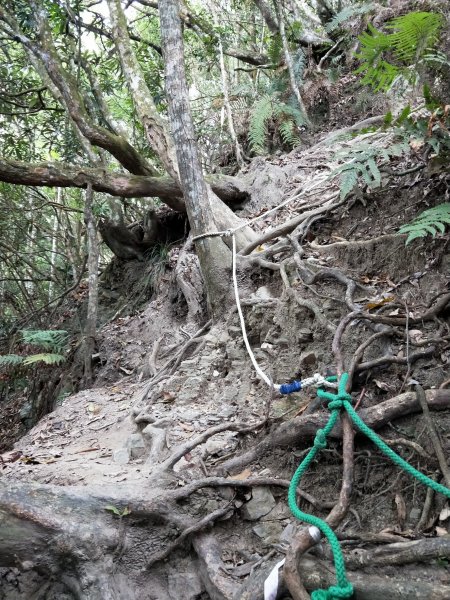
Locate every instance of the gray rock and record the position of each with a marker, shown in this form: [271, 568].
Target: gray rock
[121, 456]
[279, 512]
[308, 359]
[136, 445]
[269, 531]
[234, 332]
[186, 585]
[263, 293]
[228, 411]
[304, 335]
[234, 353]
[261, 504]
[288, 533]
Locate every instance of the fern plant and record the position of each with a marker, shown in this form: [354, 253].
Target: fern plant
[430, 222]
[347, 13]
[286, 119]
[54, 342]
[361, 163]
[385, 56]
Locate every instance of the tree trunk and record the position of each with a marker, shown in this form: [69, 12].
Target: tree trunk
[213, 254]
[91, 319]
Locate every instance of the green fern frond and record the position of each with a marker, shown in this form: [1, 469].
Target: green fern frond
[275, 49]
[347, 13]
[299, 64]
[413, 37]
[46, 339]
[430, 222]
[48, 359]
[349, 180]
[360, 161]
[286, 118]
[288, 134]
[261, 113]
[414, 34]
[11, 360]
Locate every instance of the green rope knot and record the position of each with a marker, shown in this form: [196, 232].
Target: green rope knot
[320, 441]
[334, 592]
[338, 403]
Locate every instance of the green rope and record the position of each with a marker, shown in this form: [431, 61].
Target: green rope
[342, 400]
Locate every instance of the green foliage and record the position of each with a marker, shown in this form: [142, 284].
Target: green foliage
[430, 222]
[432, 130]
[53, 341]
[347, 13]
[285, 117]
[50, 340]
[116, 511]
[48, 359]
[360, 163]
[275, 50]
[10, 360]
[385, 56]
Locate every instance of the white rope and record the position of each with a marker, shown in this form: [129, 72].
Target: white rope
[241, 318]
[316, 379]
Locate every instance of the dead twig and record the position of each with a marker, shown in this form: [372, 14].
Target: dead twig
[183, 449]
[198, 526]
[421, 397]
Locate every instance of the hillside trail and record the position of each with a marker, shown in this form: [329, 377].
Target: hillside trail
[177, 406]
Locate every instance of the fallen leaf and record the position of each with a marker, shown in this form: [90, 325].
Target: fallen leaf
[378, 303]
[167, 397]
[245, 474]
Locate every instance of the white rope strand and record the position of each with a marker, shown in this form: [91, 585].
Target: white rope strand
[241, 318]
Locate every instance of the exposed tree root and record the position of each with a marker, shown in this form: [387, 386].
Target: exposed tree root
[303, 428]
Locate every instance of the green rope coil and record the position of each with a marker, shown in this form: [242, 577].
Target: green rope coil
[337, 402]
[344, 588]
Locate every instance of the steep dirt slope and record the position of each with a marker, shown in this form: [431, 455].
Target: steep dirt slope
[151, 443]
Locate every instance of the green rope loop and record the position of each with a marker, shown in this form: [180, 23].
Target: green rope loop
[333, 592]
[337, 402]
[320, 441]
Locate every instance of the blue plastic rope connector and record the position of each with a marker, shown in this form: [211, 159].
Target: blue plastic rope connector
[289, 388]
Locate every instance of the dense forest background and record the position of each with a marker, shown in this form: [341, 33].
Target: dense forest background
[312, 136]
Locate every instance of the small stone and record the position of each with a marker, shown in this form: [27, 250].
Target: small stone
[308, 359]
[234, 332]
[288, 533]
[304, 335]
[121, 456]
[260, 504]
[279, 512]
[269, 531]
[136, 445]
[263, 293]
[184, 585]
[228, 411]
[234, 353]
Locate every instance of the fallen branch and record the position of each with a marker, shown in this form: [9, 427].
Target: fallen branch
[303, 429]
